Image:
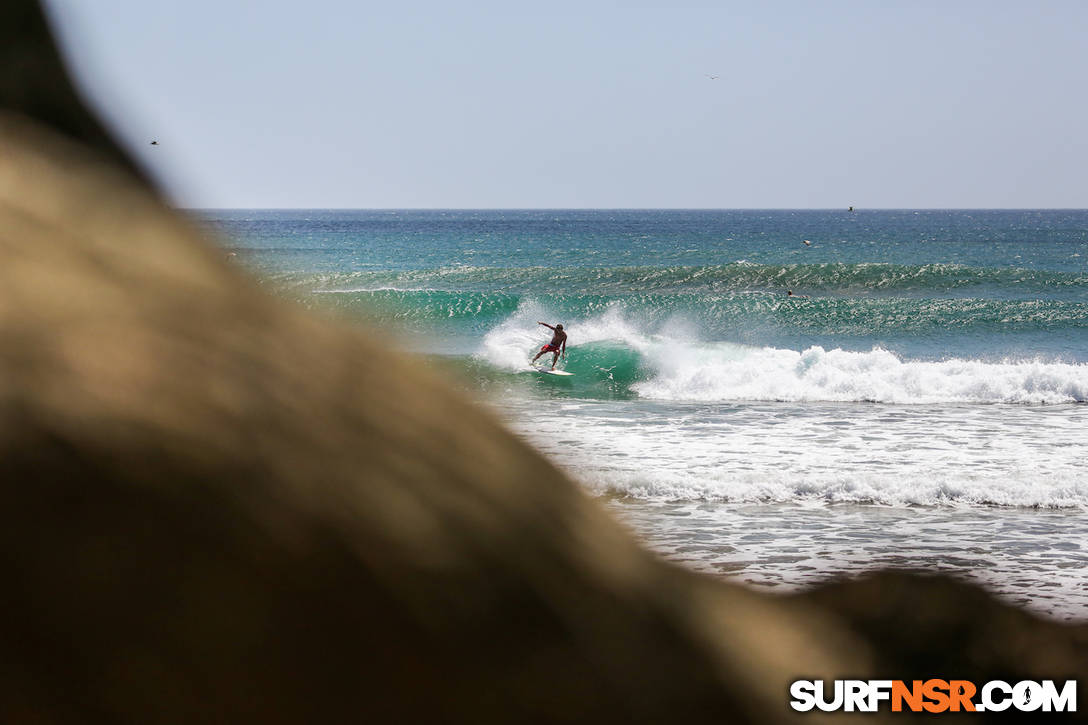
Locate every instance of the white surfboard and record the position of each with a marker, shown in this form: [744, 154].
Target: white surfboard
[548, 371]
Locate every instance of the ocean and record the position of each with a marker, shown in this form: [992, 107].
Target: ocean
[919, 401]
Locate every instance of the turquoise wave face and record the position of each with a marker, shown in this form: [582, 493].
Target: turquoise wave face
[602, 370]
[608, 364]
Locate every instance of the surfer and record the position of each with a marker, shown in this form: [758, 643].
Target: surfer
[556, 346]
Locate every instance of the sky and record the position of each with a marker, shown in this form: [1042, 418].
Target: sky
[339, 104]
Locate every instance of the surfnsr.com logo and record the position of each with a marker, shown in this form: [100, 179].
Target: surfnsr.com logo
[933, 696]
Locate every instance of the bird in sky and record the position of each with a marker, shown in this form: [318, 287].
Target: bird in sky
[154, 143]
[713, 78]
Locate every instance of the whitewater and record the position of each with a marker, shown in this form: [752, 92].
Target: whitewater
[919, 400]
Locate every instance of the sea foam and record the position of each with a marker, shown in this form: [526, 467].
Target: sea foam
[728, 372]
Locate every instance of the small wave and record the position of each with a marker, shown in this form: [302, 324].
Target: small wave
[672, 364]
[394, 306]
[934, 489]
[826, 278]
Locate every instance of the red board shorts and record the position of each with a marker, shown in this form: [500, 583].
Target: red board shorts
[549, 348]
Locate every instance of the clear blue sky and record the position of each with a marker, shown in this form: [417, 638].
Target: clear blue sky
[320, 103]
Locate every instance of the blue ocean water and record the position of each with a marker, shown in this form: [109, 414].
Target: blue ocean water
[929, 372]
[928, 285]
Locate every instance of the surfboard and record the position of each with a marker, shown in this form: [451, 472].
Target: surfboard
[561, 373]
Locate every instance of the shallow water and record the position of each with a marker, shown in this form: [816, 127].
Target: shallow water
[1034, 558]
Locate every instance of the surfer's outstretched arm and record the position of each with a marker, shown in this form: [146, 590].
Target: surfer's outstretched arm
[546, 325]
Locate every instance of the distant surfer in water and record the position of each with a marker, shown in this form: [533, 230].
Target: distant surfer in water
[556, 346]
